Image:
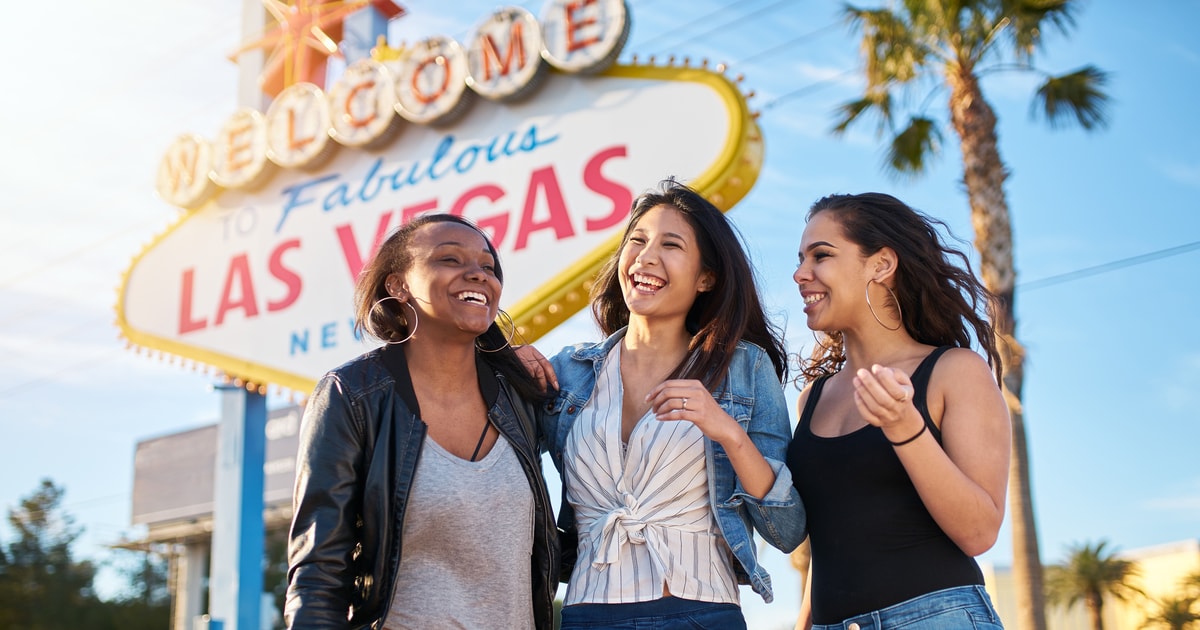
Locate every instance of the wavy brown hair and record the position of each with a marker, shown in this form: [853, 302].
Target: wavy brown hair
[387, 319]
[940, 297]
[730, 312]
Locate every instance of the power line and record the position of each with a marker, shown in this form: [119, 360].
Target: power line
[791, 42]
[720, 27]
[1108, 266]
[807, 89]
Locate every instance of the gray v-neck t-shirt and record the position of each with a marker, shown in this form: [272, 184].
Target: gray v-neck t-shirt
[468, 538]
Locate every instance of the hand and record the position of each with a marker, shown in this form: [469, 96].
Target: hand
[538, 366]
[884, 398]
[688, 399]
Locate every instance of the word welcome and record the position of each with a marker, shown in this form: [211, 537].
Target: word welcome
[428, 83]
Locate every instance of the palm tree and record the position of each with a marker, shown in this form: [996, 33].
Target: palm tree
[1176, 613]
[1089, 574]
[951, 45]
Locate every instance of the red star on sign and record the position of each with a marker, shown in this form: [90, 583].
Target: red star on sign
[305, 35]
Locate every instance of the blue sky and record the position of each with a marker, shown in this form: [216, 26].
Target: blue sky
[1113, 371]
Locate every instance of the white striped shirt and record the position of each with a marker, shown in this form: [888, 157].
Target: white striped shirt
[644, 517]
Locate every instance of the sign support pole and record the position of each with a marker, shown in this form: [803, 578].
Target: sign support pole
[235, 583]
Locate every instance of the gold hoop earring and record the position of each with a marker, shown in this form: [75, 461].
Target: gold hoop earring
[512, 331]
[867, 291]
[411, 329]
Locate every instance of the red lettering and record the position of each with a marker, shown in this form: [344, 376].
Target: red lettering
[238, 277]
[572, 25]
[491, 54]
[621, 197]
[497, 224]
[294, 142]
[559, 221]
[187, 323]
[238, 148]
[288, 276]
[441, 62]
[354, 258]
[183, 164]
[356, 121]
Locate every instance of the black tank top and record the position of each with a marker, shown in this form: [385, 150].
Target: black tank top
[873, 542]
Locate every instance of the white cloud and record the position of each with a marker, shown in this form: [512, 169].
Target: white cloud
[1178, 172]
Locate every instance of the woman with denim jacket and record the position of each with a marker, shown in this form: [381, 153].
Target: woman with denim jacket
[419, 500]
[671, 433]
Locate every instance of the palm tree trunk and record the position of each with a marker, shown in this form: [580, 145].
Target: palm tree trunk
[1095, 608]
[984, 175]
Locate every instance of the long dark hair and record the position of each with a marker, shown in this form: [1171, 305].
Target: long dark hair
[388, 320]
[939, 295]
[731, 311]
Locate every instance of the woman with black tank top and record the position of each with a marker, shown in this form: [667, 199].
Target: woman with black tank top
[902, 449]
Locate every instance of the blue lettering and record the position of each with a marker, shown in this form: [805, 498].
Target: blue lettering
[471, 153]
[530, 142]
[362, 191]
[295, 201]
[331, 200]
[328, 340]
[439, 154]
[354, 332]
[445, 159]
[299, 342]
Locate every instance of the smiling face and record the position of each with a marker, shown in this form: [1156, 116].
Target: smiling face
[660, 271]
[451, 280]
[832, 275]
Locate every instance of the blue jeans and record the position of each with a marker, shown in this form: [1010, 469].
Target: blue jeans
[668, 613]
[961, 607]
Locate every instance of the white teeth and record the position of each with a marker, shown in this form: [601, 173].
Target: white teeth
[813, 299]
[639, 278]
[473, 297]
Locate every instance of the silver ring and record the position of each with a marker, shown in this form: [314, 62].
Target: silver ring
[685, 404]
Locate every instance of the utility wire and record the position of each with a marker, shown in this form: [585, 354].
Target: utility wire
[791, 42]
[723, 26]
[1108, 266]
[688, 25]
[807, 89]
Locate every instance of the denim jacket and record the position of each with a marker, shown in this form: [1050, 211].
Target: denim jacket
[752, 395]
[359, 445]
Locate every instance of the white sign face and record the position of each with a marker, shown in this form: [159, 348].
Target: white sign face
[260, 283]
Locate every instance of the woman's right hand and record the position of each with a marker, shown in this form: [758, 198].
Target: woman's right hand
[538, 365]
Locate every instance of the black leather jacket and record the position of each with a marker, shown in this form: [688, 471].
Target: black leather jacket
[359, 445]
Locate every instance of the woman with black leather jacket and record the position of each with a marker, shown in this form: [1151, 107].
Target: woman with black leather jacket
[419, 499]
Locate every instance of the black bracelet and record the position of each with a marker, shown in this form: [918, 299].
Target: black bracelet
[924, 426]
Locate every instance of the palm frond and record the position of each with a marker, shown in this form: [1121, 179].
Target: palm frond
[878, 102]
[907, 153]
[891, 49]
[1090, 572]
[1077, 97]
[1030, 18]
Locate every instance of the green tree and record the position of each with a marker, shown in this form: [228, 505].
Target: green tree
[146, 602]
[1089, 574]
[1176, 613]
[44, 587]
[943, 45]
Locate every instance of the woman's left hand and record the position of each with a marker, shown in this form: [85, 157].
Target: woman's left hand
[688, 399]
[883, 397]
[538, 366]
